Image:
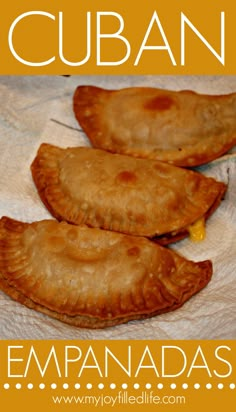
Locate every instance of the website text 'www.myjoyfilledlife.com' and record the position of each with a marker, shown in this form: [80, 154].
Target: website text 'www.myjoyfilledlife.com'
[120, 398]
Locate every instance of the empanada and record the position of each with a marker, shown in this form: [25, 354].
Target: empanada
[121, 193]
[91, 277]
[183, 128]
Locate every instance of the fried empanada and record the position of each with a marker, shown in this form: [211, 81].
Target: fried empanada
[179, 127]
[121, 193]
[93, 278]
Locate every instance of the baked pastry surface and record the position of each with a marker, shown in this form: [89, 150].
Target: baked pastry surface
[116, 192]
[179, 127]
[90, 277]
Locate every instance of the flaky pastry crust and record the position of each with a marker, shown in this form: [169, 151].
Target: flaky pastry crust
[179, 127]
[93, 278]
[140, 197]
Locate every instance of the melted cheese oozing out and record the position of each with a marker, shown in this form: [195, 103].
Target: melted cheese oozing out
[197, 230]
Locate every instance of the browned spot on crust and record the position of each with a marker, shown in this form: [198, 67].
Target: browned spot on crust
[133, 251]
[55, 244]
[72, 234]
[159, 103]
[160, 167]
[141, 219]
[126, 177]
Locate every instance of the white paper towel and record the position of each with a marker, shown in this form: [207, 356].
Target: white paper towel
[36, 109]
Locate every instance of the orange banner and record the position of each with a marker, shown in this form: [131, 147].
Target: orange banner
[112, 375]
[118, 37]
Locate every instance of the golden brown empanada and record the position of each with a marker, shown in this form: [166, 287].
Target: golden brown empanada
[183, 128]
[91, 277]
[121, 193]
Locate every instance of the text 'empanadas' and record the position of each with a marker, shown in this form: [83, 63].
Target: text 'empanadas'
[121, 193]
[179, 127]
[91, 277]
